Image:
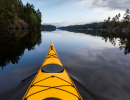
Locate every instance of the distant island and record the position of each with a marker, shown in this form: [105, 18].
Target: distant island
[90, 26]
[45, 26]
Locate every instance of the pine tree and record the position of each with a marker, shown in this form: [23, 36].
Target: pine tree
[9, 13]
[39, 16]
[126, 16]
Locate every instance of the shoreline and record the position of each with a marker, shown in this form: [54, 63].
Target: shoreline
[112, 30]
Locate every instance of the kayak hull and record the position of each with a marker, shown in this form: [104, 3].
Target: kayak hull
[52, 81]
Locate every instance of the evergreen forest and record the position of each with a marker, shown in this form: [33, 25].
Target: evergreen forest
[95, 25]
[117, 21]
[48, 26]
[13, 14]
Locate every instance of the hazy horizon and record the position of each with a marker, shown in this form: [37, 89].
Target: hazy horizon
[70, 12]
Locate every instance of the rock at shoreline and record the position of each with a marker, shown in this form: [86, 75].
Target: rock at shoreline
[19, 24]
[119, 29]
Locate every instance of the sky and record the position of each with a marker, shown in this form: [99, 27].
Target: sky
[70, 12]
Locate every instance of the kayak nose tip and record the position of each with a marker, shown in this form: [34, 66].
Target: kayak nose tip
[51, 43]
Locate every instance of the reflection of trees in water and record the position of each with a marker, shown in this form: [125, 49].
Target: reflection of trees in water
[13, 45]
[124, 40]
[90, 32]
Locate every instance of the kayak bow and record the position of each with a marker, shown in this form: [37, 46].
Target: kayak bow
[52, 81]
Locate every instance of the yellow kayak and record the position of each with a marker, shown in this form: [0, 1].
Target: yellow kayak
[52, 81]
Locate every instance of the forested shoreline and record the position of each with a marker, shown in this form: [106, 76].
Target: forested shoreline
[95, 25]
[48, 26]
[114, 24]
[117, 24]
[13, 14]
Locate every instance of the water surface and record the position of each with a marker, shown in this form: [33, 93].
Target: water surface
[97, 64]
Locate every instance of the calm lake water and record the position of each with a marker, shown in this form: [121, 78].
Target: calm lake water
[94, 60]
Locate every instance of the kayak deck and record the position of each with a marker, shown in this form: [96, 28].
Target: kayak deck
[52, 81]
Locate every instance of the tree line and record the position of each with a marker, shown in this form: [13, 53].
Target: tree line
[11, 11]
[108, 23]
[48, 26]
[95, 25]
[116, 21]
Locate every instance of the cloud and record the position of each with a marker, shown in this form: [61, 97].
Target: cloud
[80, 11]
[66, 2]
[41, 3]
[111, 4]
[108, 4]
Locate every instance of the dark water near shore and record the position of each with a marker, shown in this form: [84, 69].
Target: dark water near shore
[96, 62]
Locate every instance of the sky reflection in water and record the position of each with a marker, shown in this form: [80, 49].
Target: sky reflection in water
[100, 67]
